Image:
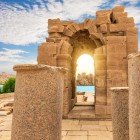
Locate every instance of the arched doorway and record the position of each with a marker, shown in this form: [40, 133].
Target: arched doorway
[107, 38]
[85, 80]
[84, 88]
[82, 44]
[66, 54]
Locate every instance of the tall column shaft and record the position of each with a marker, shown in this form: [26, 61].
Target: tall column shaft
[64, 60]
[134, 95]
[120, 119]
[38, 103]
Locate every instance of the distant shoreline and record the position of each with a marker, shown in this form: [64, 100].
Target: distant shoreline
[86, 85]
[87, 89]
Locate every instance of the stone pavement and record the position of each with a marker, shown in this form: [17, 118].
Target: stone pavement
[86, 130]
[82, 112]
[72, 129]
[89, 101]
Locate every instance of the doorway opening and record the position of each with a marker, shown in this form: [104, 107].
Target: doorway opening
[85, 75]
[84, 88]
[82, 65]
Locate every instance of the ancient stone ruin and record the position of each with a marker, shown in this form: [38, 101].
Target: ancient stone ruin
[109, 39]
[85, 79]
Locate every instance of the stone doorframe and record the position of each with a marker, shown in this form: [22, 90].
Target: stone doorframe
[112, 35]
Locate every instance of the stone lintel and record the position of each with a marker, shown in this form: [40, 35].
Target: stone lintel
[28, 67]
[120, 89]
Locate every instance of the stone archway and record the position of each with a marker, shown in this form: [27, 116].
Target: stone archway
[114, 36]
[81, 44]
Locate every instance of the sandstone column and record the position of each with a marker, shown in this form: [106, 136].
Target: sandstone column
[134, 95]
[64, 60]
[38, 103]
[117, 64]
[120, 119]
[100, 85]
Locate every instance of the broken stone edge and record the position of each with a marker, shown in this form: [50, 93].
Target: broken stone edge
[115, 89]
[28, 67]
[133, 55]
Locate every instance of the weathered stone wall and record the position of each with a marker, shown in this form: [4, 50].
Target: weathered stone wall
[109, 39]
[116, 64]
[100, 81]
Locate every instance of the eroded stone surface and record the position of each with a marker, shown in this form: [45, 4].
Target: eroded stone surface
[38, 103]
[134, 96]
[108, 38]
[120, 111]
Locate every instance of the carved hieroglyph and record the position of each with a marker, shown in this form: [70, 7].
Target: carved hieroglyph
[108, 39]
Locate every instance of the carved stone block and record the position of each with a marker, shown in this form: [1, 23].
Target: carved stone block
[103, 28]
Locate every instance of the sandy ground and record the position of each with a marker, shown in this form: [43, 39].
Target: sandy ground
[90, 99]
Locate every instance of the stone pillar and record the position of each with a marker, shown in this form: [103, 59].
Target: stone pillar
[116, 64]
[134, 95]
[64, 60]
[120, 117]
[100, 84]
[38, 103]
[132, 40]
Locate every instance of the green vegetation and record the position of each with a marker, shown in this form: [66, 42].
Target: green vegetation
[1, 87]
[0, 90]
[9, 86]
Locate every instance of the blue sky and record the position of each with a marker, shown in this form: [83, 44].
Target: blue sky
[23, 24]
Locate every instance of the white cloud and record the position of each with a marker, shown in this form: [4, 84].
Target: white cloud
[21, 27]
[8, 67]
[134, 12]
[73, 9]
[11, 55]
[131, 2]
